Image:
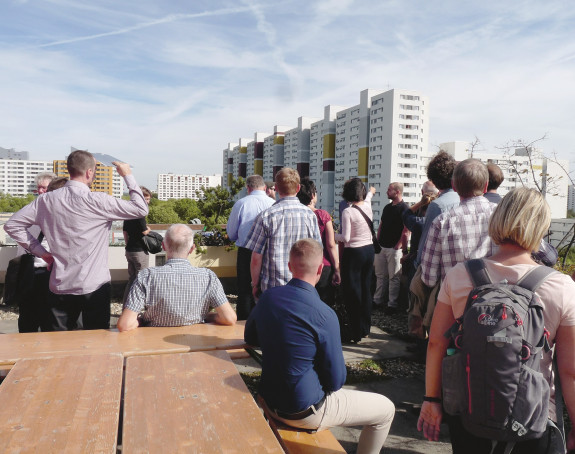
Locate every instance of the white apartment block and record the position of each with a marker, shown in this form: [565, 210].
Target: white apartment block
[297, 146]
[256, 154]
[17, 175]
[571, 198]
[178, 186]
[274, 152]
[322, 157]
[523, 167]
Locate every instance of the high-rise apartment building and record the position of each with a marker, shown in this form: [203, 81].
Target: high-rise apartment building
[274, 152]
[297, 146]
[17, 176]
[571, 198]
[106, 180]
[381, 140]
[524, 167]
[178, 186]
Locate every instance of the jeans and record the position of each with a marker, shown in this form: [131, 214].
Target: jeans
[388, 273]
[346, 408]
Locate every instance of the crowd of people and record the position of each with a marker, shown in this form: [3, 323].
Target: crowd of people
[292, 265]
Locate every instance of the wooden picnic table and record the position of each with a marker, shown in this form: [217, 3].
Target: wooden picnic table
[68, 404]
[192, 402]
[141, 341]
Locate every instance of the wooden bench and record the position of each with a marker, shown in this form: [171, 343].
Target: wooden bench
[61, 405]
[141, 341]
[192, 402]
[300, 441]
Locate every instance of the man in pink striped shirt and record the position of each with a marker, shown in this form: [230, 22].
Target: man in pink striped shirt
[76, 223]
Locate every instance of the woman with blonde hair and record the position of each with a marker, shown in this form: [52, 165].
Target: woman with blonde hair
[517, 227]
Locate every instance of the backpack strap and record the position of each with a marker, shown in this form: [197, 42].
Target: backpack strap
[477, 272]
[535, 277]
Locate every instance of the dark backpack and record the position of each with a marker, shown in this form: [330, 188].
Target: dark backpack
[491, 376]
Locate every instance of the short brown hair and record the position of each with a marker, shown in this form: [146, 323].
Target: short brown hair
[305, 256]
[287, 181]
[57, 183]
[522, 217]
[79, 161]
[495, 176]
[470, 178]
[146, 191]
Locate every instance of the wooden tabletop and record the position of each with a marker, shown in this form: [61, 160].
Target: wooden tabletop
[61, 405]
[141, 341]
[191, 403]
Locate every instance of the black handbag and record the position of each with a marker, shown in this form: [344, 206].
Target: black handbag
[153, 242]
[19, 279]
[376, 245]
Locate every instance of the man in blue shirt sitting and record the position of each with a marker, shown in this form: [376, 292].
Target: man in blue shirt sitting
[303, 369]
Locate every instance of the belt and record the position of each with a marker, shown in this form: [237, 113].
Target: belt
[301, 414]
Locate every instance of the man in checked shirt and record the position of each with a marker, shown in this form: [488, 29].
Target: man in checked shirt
[177, 293]
[460, 233]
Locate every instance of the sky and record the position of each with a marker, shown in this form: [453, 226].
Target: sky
[165, 85]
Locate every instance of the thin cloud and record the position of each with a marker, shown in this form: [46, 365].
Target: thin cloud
[164, 20]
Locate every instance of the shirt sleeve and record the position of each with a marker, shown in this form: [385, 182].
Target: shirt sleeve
[17, 228]
[217, 296]
[345, 234]
[114, 209]
[137, 297]
[330, 365]
[431, 256]
[234, 222]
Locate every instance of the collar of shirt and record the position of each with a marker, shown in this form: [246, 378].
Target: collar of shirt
[289, 199]
[259, 193]
[295, 282]
[77, 184]
[177, 261]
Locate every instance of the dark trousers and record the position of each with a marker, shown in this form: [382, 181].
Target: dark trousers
[33, 309]
[356, 272]
[245, 302]
[464, 442]
[325, 288]
[64, 310]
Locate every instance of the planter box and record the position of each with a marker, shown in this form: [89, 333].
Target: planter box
[217, 259]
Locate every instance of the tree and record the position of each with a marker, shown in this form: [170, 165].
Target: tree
[215, 204]
[539, 178]
[11, 204]
[187, 209]
[163, 214]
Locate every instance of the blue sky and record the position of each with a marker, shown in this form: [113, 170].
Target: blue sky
[166, 84]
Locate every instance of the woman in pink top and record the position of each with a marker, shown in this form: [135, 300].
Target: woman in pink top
[330, 274]
[517, 226]
[357, 258]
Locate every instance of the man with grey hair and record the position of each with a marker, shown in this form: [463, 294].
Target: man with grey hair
[177, 293]
[460, 233]
[239, 225]
[43, 180]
